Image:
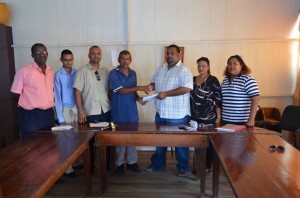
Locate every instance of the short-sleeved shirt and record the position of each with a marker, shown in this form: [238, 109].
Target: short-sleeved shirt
[34, 87]
[94, 93]
[236, 98]
[63, 91]
[123, 106]
[205, 98]
[174, 107]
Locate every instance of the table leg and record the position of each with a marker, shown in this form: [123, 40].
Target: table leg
[216, 170]
[87, 167]
[112, 161]
[103, 168]
[201, 163]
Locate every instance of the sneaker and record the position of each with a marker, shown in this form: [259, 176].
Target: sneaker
[182, 173]
[149, 169]
[71, 174]
[134, 167]
[120, 170]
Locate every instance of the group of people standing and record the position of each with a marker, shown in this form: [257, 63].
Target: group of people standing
[95, 94]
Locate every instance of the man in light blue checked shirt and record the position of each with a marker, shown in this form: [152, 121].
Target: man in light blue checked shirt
[172, 82]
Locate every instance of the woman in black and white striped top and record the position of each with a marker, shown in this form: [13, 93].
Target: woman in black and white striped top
[240, 93]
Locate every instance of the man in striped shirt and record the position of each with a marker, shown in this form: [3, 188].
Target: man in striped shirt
[172, 82]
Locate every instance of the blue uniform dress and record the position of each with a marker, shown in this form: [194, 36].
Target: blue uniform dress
[123, 108]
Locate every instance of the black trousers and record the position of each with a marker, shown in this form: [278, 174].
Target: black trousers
[35, 119]
[104, 117]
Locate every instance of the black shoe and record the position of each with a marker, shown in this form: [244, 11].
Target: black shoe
[120, 170]
[79, 166]
[206, 171]
[71, 174]
[134, 167]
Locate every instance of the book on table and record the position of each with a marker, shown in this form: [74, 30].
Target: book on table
[231, 128]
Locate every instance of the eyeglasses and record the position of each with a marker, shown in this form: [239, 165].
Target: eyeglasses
[97, 75]
[274, 148]
[41, 52]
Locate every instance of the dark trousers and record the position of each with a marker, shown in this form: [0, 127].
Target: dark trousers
[209, 152]
[35, 119]
[104, 117]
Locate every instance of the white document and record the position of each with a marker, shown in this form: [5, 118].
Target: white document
[99, 124]
[151, 97]
[61, 128]
[114, 57]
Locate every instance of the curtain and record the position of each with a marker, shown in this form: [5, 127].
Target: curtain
[296, 98]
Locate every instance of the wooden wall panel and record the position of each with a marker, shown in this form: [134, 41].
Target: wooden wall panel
[258, 30]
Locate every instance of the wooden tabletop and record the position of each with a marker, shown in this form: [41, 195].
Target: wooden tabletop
[253, 170]
[151, 134]
[150, 127]
[29, 167]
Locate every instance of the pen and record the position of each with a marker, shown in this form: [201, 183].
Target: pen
[205, 125]
[105, 128]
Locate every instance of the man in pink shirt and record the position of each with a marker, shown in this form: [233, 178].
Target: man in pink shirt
[34, 83]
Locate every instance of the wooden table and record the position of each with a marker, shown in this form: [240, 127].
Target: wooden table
[29, 167]
[252, 170]
[151, 134]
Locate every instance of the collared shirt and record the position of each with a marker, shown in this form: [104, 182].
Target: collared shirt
[123, 106]
[94, 93]
[236, 98]
[63, 91]
[173, 107]
[35, 88]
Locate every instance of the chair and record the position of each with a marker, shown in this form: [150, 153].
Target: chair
[267, 117]
[272, 115]
[290, 121]
[259, 117]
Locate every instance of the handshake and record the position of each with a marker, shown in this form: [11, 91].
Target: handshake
[147, 89]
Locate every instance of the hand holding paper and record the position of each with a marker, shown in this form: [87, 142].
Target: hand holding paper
[148, 98]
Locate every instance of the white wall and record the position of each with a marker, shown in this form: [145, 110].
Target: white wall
[263, 32]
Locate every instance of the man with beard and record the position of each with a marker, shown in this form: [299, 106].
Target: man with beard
[172, 82]
[34, 83]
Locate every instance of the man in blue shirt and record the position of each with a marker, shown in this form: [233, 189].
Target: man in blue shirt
[65, 106]
[123, 83]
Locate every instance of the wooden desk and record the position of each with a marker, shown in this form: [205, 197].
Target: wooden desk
[29, 167]
[252, 170]
[151, 134]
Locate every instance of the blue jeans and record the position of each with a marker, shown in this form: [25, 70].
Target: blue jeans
[182, 153]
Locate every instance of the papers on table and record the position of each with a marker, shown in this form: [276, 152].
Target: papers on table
[231, 128]
[151, 97]
[99, 124]
[62, 128]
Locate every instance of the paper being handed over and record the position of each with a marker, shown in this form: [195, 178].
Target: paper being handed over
[147, 98]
